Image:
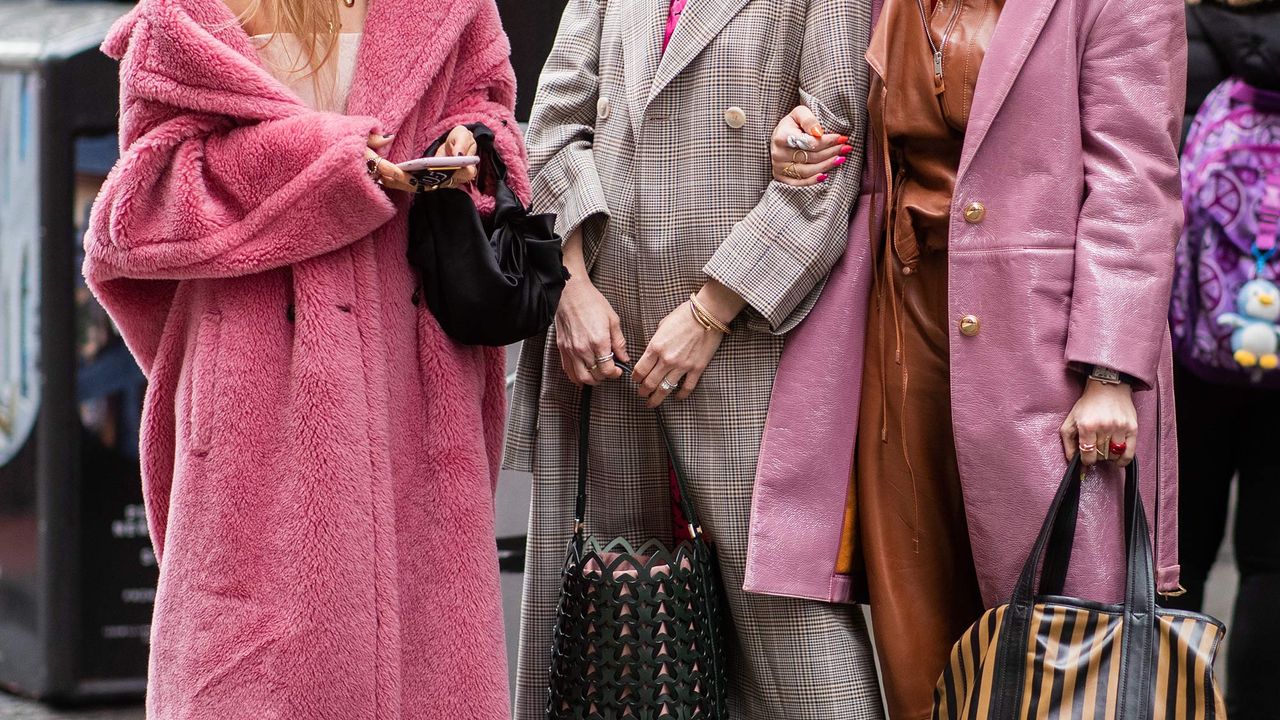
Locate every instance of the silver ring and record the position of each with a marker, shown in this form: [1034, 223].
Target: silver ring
[668, 386]
[604, 359]
[800, 142]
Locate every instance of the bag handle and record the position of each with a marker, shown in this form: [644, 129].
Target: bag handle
[584, 433]
[1055, 539]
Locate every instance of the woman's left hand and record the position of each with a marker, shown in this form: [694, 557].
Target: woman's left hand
[1103, 415]
[460, 142]
[679, 352]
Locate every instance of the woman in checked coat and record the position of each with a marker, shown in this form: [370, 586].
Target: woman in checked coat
[649, 140]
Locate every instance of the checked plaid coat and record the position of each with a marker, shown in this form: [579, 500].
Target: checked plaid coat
[662, 159]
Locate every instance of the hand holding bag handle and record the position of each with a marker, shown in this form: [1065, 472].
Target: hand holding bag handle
[1138, 640]
[584, 430]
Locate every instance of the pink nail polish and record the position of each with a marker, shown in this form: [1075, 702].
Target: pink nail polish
[846, 149]
[840, 161]
[822, 177]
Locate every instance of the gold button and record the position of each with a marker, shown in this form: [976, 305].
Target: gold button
[974, 212]
[603, 107]
[969, 325]
[735, 118]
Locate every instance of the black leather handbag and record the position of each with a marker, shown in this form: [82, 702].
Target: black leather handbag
[488, 281]
[1045, 656]
[637, 630]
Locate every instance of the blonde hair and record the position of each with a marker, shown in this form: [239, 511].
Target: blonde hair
[313, 22]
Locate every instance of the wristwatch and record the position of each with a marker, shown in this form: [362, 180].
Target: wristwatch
[1105, 375]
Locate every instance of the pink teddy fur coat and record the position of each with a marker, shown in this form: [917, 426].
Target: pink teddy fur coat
[318, 457]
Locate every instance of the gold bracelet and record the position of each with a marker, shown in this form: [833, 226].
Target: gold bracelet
[700, 320]
[705, 317]
[715, 321]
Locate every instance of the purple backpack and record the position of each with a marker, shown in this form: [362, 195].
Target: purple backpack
[1225, 299]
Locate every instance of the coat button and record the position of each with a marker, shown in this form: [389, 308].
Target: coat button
[734, 117]
[974, 212]
[603, 108]
[970, 326]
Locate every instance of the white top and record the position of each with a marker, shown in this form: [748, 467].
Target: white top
[326, 89]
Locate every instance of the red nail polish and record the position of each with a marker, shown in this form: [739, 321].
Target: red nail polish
[822, 177]
[846, 149]
[840, 161]
[844, 139]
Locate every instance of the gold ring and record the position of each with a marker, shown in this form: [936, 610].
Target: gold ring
[795, 157]
[790, 171]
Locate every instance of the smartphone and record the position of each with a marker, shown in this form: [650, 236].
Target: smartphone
[438, 163]
[432, 172]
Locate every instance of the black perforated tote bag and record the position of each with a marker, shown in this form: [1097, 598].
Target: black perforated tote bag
[638, 628]
[1043, 656]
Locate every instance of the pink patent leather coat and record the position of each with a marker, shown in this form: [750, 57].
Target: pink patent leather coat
[1072, 149]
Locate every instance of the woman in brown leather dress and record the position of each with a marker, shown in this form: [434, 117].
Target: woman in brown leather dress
[919, 574]
[912, 536]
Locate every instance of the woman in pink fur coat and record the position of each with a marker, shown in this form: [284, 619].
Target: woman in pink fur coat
[318, 457]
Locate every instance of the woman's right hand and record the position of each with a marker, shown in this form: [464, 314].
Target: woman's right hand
[387, 175]
[802, 152]
[588, 333]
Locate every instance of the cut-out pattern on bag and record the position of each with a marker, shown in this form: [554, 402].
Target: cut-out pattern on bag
[638, 630]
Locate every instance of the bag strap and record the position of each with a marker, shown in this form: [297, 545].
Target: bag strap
[584, 434]
[1138, 638]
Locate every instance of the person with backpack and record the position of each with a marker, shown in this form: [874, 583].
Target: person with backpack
[1225, 318]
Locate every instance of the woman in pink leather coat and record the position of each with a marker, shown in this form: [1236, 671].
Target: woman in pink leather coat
[1003, 300]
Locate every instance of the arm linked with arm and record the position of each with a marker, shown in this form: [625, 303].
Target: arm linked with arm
[786, 245]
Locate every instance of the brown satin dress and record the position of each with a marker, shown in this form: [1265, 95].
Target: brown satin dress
[911, 526]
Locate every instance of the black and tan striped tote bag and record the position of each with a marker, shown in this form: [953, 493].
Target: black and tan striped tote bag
[1043, 656]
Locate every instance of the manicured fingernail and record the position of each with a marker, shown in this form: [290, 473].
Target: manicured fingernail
[389, 136]
[817, 131]
[844, 139]
[846, 149]
[822, 177]
[840, 161]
